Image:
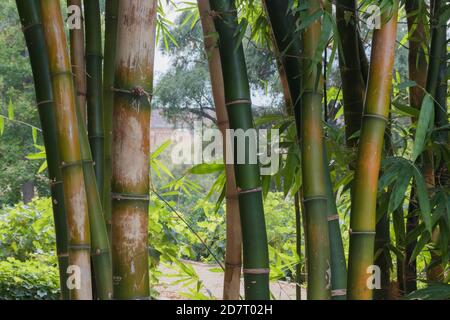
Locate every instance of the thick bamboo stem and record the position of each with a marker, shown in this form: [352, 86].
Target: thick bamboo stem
[248, 182]
[353, 85]
[69, 148]
[417, 69]
[94, 82]
[111, 12]
[233, 254]
[100, 252]
[376, 111]
[78, 60]
[30, 18]
[133, 88]
[313, 171]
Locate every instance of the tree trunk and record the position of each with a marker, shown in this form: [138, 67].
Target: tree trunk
[69, 147]
[353, 85]
[94, 87]
[364, 199]
[30, 18]
[133, 84]
[248, 181]
[78, 60]
[111, 12]
[233, 256]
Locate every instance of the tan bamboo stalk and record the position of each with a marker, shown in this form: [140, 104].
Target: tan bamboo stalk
[365, 185]
[78, 60]
[130, 182]
[69, 146]
[233, 253]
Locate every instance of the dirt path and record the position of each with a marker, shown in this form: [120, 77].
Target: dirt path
[172, 286]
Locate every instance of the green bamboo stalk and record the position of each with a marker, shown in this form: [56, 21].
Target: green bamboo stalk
[69, 148]
[100, 253]
[94, 87]
[30, 18]
[248, 182]
[313, 170]
[376, 110]
[337, 254]
[438, 45]
[130, 182]
[111, 12]
[353, 85]
[287, 48]
[298, 246]
[233, 253]
[78, 60]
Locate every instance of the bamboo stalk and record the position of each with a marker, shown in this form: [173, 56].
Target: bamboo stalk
[376, 111]
[30, 18]
[111, 12]
[287, 45]
[353, 85]
[313, 171]
[248, 182]
[78, 60]
[94, 82]
[69, 148]
[133, 87]
[100, 253]
[233, 254]
[417, 69]
[438, 45]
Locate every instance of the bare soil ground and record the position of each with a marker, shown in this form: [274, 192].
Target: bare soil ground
[171, 288]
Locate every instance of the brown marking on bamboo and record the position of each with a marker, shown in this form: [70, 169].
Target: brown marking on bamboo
[131, 149]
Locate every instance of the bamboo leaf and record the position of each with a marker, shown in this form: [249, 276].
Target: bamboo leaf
[34, 134]
[421, 243]
[424, 201]
[425, 121]
[43, 167]
[399, 190]
[2, 125]
[10, 110]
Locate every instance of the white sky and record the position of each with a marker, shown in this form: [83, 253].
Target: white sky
[162, 61]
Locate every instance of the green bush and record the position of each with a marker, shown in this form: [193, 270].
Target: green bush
[28, 280]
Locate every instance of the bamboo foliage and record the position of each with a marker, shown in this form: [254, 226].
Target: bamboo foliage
[133, 87]
[69, 148]
[233, 254]
[248, 182]
[30, 18]
[364, 192]
[94, 80]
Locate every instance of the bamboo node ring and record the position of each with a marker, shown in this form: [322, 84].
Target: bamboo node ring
[78, 247]
[233, 265]
[308, 199]
[71, 164]
[124, 196]
[239, 101]
[361, 232]
[376, 116]
[256, 271]
[333, 217]
[40, 103]
[338, 292]
[240, 191]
